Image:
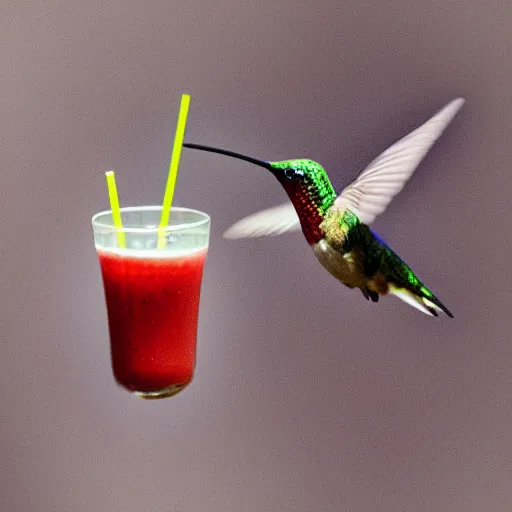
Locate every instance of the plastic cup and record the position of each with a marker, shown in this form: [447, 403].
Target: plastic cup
[152, 295]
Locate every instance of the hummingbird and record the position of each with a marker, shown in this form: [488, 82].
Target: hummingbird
[337, 225]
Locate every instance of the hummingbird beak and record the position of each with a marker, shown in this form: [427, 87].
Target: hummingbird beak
[261, 163]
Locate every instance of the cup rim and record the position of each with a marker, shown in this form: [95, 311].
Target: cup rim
[173, 227]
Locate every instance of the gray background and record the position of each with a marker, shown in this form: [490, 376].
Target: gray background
[306, 397]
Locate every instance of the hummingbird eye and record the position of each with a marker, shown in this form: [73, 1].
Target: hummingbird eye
[292, 172]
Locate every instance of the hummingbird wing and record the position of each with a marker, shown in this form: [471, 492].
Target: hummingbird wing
[270, 222]
[370, 194]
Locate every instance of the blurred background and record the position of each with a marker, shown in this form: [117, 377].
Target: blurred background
[306, 396]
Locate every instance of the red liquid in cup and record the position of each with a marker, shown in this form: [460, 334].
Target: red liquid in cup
[152, 306]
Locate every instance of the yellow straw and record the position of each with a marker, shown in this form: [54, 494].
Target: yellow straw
[114, 205]
[173, 168]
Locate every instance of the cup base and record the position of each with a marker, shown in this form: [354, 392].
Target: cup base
[161, 393]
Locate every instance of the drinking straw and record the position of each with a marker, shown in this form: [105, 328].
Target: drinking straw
[173, 168]
[114, 205]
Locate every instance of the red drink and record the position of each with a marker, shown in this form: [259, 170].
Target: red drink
[152, 306]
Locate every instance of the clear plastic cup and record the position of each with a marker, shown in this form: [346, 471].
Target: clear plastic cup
[152, 295]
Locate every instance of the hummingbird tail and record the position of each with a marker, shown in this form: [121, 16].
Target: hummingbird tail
[430, 305]
[404, 284]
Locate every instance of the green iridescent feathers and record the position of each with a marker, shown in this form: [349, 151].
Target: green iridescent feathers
[314, 177]
[379, 258]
